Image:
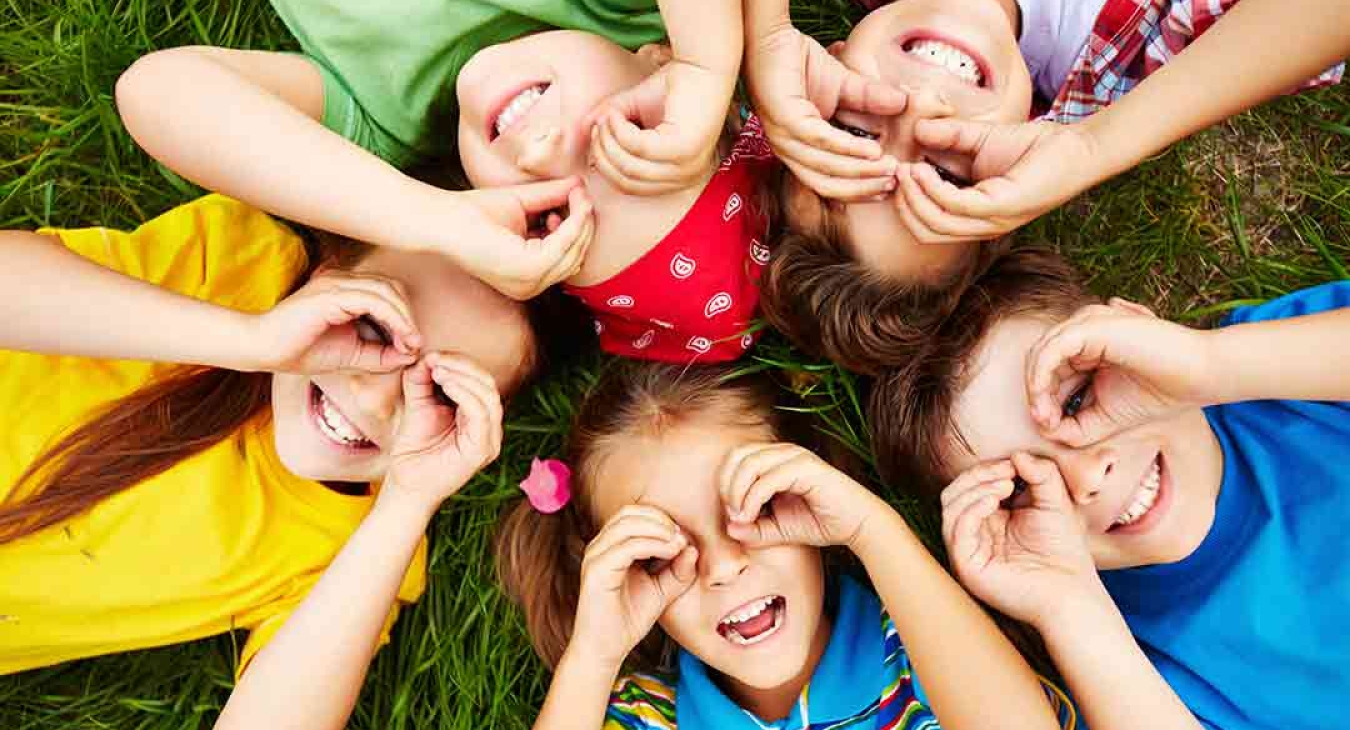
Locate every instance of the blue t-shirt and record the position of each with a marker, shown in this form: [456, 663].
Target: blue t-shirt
[1252, 630]
[864, 680]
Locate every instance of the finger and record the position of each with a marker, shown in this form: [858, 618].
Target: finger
[617, 559]
[1063, 355]
[348, 303]
[679, 575]
[859, 93]
[391, 290]
[1044, 482]
[639, 522]
[952, 135]
[483, 395]
[972, 203]
[462, 365]
[802, 121]
[748, 469]
[419, 387]
[791, 475]
[842, 189]
[834, 164]
[650, 146]
[966, 542]
[763, 532]
[995, 490]
[533, 198]
[933, 216]
[917, 228]
[631, 174]
[572, 239]
[473, 424]
[974, 477]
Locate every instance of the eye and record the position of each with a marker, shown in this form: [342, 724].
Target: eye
[1077, 399]
[766, 510]
[855, 131]
[1017, 498]
[371, 331]
[950, 176]
[652, 566]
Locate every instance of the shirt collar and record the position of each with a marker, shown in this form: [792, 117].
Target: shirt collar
[847, 680]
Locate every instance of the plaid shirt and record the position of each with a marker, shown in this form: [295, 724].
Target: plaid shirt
[1130, 40]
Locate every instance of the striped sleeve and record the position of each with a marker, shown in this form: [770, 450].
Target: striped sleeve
[903, 705]
[641, 702]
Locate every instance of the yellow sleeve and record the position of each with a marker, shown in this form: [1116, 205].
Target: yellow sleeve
[275, 616]
[213, 248]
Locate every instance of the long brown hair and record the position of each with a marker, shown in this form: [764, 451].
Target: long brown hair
[909, 409]
[191, 409]
[539, 556]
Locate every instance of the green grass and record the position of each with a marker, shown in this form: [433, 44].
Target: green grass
[1254, 208]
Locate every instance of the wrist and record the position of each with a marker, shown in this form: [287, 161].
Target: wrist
[580, 661]
[1076, 613]
[408, 503]
[244, 347]
[882, 532]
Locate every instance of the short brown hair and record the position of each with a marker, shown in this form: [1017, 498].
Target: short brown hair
[830, 304]
[539, 556]
[909, 408]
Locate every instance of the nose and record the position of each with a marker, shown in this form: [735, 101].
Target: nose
[926, 102]
[721, 562]
[1086, 471]
[378, 395]
[542, 152]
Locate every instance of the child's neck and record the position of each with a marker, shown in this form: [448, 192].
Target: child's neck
[772, 705]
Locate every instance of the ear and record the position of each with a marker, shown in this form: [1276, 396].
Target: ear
[657, 54]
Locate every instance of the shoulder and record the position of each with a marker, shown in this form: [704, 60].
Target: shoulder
[1324, 298]
[642, 701]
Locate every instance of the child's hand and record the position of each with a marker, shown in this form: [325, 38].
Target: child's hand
[491, 233]
[1023, 170]
[633, 570]
[1020, 561]
[1118, 366]
[337, 321]
[680, 111]
[782, 493]
[796, 88]
[450, 429]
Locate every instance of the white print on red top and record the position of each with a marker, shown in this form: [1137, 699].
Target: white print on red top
[732, 207]
[750, 145]
[747, 341]
[599, 327]
[682, 267]
[644, 340]
[759, 253]
[720, 302]
[699, 344]
[622, 301]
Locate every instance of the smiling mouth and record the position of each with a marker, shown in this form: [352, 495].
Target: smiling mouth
[516, 108]
[333, 424]
[1145, 496]
[954, 60]
[754, 622]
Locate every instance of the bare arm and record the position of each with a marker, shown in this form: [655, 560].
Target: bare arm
[971, 673]
[246, 123]
[1257, 50]
[52, 300]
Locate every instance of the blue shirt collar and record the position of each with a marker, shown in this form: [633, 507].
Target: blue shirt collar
[848, 678]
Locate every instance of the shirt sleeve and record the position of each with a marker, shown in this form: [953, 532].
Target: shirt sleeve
[1324, 298]
[344, 114]
[214, 248]
[641, 702]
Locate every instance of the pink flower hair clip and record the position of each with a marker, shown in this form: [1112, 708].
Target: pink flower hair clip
[549, 485]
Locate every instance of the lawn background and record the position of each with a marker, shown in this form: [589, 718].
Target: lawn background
[1249, 210]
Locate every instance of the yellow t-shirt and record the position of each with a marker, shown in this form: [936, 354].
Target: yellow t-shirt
[227, 539]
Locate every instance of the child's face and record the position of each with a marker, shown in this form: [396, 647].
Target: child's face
[340, 426]
[524, 104]
[1105, 480]
[957, 58]
[677, 473]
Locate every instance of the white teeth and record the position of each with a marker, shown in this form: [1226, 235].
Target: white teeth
[517, 107]
[1144, 498]
[953, 59]
[735, 637]
[336, 425]
[748, 612]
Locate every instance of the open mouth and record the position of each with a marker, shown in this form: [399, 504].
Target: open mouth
[514, 108]
[754, 622]
[1144, 500]
[335, 426]
[949, 55]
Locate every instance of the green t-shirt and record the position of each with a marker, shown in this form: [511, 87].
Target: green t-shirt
[386, 64]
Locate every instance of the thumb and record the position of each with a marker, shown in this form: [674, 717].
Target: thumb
[1044, 482]
[763, 532]
[643, 103]
[869, 96]
[952, 135]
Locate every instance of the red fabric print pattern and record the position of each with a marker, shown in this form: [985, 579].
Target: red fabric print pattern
[695, 294]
